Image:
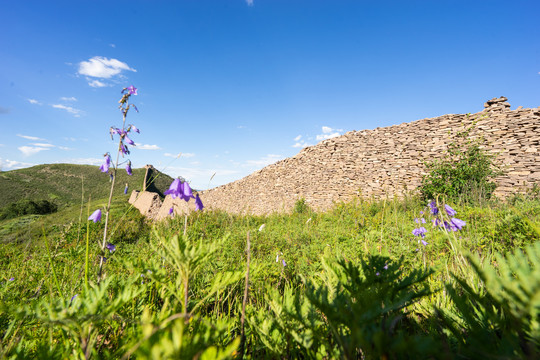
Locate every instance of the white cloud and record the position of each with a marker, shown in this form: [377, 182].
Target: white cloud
[102, 67]
[12, 164]
[31, 150]
[148, 147]
[30, 137]
[112, 45]
[328, 133]
[298, 138]
[301, 144]
[69, 109]
[96, 83]
[83, 161]
[34, 101]
[43, 145]
[249, 2]
[264, 161]
[72, 98]
[64, 148]
[180, 155]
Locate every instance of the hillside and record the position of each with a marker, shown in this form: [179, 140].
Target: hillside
[62, 183]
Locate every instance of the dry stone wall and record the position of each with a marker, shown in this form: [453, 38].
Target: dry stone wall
[385, 162]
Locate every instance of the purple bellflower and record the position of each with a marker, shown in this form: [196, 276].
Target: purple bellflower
[126, 189]
[110, 247]
[134, 128]
[175, 190]
[132, 90]
[11, 279]
[421, 231]
[451, 212]
[128, 140]
[105, 166]
[457, 224]
[433, 207]
[283, 262]
[198, 203]
[96, 216]
[424, 242]
[186, 191]
[128, 170]
[171, 211]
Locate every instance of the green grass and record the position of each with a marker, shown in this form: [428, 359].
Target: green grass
[63, 183]
[356, 282]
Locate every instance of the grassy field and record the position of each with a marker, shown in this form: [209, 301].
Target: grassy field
[353, 282]
[64, 183]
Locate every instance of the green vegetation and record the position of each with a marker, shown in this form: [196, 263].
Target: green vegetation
[464, 173]
[352, 282]
[62, 184]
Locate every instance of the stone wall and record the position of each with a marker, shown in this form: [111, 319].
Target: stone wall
[385, 162]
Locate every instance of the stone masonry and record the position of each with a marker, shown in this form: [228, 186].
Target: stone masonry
[386, 162]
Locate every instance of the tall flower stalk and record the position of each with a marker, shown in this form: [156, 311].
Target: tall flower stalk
[123, 150]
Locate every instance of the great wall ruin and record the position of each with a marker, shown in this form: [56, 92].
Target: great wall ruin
[382, 162]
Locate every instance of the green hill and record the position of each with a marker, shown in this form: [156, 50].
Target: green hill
[63, 183]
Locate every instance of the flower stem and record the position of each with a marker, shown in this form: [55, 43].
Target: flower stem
[110, 200]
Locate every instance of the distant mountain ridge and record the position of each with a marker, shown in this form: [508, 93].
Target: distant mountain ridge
[64, 183]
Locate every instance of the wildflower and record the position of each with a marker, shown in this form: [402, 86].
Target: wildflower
[128, 140]
[137, 110]
[124, 149]
[385, 267]
[420, 220]
[126, 188]
[171, 211]
[451, 212]
[186, 190]
[421, 231]
[110, 247]
[105, 166]
[433, 207]
[96, 216]
[73, 298]
[133, 127]
[175, 190]
[308, 220]
[377, 273]
[198, 203]
[457, 224]
[12, 279]
[424, 242]
[283, 262]
[261, 228]
[128, 170]
[132, 90]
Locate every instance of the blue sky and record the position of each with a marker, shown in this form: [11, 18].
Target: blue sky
[234, 85]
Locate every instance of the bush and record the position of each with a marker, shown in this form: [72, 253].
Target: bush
[28, 207]
[464, 173]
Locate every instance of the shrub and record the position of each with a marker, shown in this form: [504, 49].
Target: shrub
[28, 207]
[464, 172]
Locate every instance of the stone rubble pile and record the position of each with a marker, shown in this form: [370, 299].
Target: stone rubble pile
[384, 162]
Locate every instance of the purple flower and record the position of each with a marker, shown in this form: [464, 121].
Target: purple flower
[132, 90]
[175, 190]
[457, 224]
[283, 262]
[451, 212]
[198, 203]
[126, 189]
[128, 170]
[186, 191]
[96, 216]
[137, 110]
[171, 211]
[433, 207]
[128, 140]
[73, 297]
[110, 247]
[421, 220]
[385, 267]
[421, 231]
[133, 127]
[377, 273]
[12, 279]
[105, 166]
[424, 242]
[124, 149]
